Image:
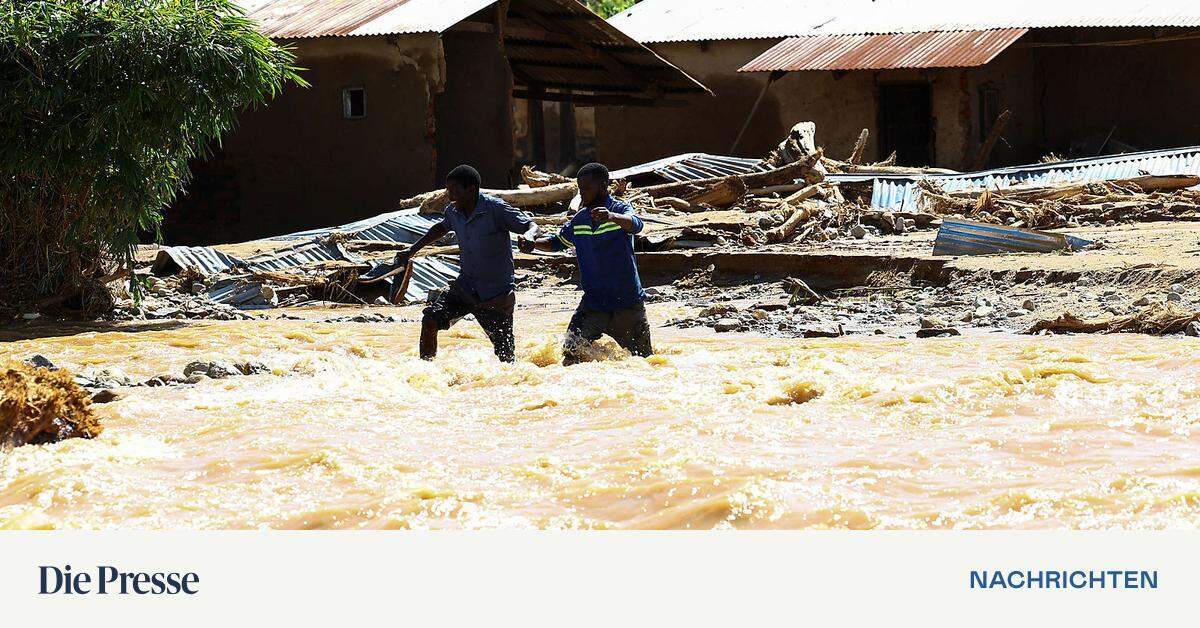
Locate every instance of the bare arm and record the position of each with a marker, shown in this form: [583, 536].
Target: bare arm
[435, 233]
[544, 244]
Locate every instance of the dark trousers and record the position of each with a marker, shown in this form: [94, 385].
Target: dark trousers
[628, 327]
[495, 316]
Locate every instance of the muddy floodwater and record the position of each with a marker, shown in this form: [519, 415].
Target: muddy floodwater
[351, 430]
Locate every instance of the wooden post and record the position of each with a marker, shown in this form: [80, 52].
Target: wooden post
[985, 152]
[775, 76]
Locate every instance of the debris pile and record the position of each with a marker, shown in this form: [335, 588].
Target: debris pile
[40, 405]
[1157, 319]
[1142, 199]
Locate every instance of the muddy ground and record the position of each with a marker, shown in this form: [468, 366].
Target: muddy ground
[880, 285]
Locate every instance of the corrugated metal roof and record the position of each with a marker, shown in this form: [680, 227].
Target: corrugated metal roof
[321, 18]
[405, 226]
[692, 166]
[656, 21]
[553, 64]
[205, 258]
[968, 237]
[653, 21]
[954, 49]
[900, 192]
[909, 16]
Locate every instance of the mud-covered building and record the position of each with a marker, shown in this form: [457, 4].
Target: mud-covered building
[403, 90]
[928, 78]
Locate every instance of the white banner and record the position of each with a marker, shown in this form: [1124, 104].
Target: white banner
[598, 578]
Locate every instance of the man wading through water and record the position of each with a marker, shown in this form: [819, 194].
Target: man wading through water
[602, 234]
[485, 286]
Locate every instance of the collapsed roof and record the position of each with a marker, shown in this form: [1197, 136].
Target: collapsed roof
[556, 48]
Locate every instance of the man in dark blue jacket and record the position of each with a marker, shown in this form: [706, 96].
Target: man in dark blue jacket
[602, 234]
[486, 281]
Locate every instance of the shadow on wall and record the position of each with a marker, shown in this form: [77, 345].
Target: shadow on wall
[628, 136]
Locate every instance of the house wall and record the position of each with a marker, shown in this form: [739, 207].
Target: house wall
[298, 164]
[1063, 99]
[626, 136]
[474, 112]
[1149, 94]
[841, 104]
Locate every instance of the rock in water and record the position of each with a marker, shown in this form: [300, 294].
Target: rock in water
[934, 332]
[253, 367]
[41, 361]
[727, 324]
[931, 322]
[105, 396]
[221, 370]
[196, 368]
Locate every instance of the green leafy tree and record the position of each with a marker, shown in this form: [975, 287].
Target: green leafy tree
[609, 8]
[102, 102]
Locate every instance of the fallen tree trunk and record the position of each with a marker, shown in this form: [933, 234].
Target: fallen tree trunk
[436, 202]
[723, 193]
[849, 168]
[538, 179]
[799, 215]
[801, 142]
[1157, 320]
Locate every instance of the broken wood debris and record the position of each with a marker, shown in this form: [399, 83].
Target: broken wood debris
[1140, 199]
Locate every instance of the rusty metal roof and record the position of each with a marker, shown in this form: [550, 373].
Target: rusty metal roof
[953, 49]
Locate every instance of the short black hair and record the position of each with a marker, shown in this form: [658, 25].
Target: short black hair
[466, 176]
[593, 170]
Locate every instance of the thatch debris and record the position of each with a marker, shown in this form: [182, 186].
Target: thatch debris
[40, 405]
[1157, 319]
[1141, 199]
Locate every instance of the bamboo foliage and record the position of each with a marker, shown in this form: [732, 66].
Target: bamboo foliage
[102, 102]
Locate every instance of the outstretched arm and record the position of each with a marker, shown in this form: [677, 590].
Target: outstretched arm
[435, 233]
[563, 240]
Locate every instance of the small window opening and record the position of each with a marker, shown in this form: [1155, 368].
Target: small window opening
[354, 103]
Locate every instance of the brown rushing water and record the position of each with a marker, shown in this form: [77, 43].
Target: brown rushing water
[353, 431]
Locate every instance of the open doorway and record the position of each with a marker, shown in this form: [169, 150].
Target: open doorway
[906, 123]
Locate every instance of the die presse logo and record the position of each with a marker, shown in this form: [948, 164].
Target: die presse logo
[107, 580]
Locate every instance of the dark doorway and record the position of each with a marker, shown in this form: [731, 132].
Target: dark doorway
[906, 123]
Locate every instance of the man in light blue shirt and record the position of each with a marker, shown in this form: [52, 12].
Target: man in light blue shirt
[485, 286]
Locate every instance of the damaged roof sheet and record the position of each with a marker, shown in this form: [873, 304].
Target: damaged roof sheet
[692, 166]
[406, 226]
[900, 192]
[953, 49]
[969, 237]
